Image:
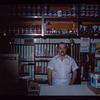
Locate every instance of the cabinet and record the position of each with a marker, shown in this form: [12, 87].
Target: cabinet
[34, 31]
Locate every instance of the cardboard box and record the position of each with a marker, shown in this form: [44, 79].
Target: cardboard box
[98, 45]
[95, 90]
[95, 79]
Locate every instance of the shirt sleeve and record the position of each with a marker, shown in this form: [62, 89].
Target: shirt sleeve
[74, 65]
[50, 65]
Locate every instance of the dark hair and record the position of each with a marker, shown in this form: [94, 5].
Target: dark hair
[62, 43]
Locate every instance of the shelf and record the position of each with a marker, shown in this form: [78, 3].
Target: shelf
[40, 73]
[41, 82]
[72, 18]
[29, 64]
[29, 34]
[24, 35]
[14, 17]
[26, 61]
[23, 44]
[44, 56]
[89, 19]
[61, 35]
[42, 60]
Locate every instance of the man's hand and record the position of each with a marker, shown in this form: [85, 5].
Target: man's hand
[74, 75]
[71, 83]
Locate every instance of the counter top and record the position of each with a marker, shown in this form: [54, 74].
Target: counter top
[73, 90]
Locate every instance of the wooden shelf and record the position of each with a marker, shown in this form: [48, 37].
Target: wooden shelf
[42, 82]
[44, 56]
[40, 73]
[42, 60]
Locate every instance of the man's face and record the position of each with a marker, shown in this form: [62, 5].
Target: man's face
[62, 49]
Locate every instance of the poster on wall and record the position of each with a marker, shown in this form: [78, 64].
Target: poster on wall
[84, 45]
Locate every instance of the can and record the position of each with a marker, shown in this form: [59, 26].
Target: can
[33, 12]
[49, 12]
[92, 13]
[87, 7]
[45, 6]
[96, 13]
[82, 13]
[38, 13]
[54, 13]
[59, 13]
[73, 14]
[82, 6]
[68, 13]
[96, 7]
[33, 7]
[38, 7]
[87, 14]
[45, 13]
[91, 7]
[28, 13]
[74, 7]
[64, 13]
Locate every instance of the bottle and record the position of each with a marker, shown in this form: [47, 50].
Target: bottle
[35, 30]
[81, 29]
[30, 29]
[87, 29]
[97, 29]
[26, 29]
[39, 29]
[91, 30]
[20, 29]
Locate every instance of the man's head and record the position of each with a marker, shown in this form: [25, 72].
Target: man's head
[62, 48]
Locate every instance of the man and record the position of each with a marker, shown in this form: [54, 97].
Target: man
[60, 68]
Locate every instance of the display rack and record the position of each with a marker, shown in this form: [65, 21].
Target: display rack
[52, 27]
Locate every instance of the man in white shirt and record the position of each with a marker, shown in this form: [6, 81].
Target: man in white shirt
[62, 68]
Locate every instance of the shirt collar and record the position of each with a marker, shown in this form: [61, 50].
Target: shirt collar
[59, 57]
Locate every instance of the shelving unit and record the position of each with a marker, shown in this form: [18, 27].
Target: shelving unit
[59, 28]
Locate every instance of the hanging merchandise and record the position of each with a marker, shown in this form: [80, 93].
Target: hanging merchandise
[93, 48]
[85, 44]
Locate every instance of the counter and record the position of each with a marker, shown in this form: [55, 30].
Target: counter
[73, 90]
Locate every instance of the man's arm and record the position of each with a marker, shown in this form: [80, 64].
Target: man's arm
[74, 75]
[50, 76]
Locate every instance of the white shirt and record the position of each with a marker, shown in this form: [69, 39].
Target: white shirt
[61, 74]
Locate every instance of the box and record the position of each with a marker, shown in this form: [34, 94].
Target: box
[95, 90]
[98, 45]
[97, 53]
[95, 79]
